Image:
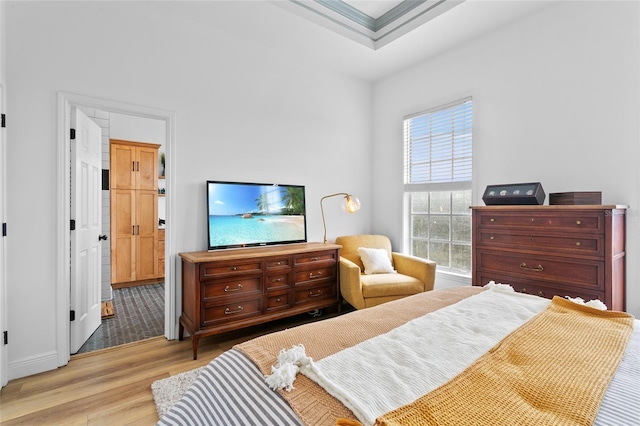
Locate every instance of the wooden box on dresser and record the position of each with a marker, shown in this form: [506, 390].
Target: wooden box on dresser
[576, 251]
[231, 289]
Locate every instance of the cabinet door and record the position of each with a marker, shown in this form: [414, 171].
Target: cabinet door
[123, 166]
[123, 241]
[146, 234]
[147, 168]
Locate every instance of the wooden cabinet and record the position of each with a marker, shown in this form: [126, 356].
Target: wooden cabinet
[133, 165]
[134, 211]
[576, 251]
[228, 290]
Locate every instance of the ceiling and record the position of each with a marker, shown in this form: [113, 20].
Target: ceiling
[372, 39]
[370, 22]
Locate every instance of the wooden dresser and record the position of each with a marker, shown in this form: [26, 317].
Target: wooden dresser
[576, 251]
[232, 289]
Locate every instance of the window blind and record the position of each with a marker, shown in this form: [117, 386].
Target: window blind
[438, 145]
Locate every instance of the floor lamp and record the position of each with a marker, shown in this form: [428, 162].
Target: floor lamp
[350, 204]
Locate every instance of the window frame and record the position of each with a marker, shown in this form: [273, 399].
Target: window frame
[429, 187]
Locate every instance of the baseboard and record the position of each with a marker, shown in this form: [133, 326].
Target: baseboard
[33, 365]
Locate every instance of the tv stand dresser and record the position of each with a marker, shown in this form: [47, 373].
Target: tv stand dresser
[231, 289]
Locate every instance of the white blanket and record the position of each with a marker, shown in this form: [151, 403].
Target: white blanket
[393, 369]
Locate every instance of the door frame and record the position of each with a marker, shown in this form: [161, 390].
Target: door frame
[63, 211]
[4, 364]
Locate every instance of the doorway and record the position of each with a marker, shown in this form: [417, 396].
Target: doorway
[66, 102]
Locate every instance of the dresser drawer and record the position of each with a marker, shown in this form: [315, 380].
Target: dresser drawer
[227, 312]
[310, 259]
[241, 285]
[278, 301]
[212, 270]
[312, 294]
[277, 281]
[563, 271]
[569, 221]
[279, 263]
[540, 288]
[579, 244]
[316, 274]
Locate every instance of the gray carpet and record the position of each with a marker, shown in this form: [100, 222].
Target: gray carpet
[139, 314]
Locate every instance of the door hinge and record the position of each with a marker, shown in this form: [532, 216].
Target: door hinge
[72, 315]
[105, 180]
[73, 134]
[5, 337]
[3, 120]
[72, 225]
[4, 229]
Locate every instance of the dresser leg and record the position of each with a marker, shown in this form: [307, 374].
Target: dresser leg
[194, 346]
[180, 331]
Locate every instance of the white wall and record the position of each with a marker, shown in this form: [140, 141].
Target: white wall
[556, 100]
[243, 112]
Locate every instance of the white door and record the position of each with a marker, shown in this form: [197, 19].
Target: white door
[86, 239]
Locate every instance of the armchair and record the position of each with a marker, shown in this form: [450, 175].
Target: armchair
[414, 275]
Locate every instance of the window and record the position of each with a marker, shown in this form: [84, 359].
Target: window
[437, 185]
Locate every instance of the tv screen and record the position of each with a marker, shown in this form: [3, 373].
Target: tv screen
[242, 214]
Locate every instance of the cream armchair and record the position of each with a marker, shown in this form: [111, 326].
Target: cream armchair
[414, 275]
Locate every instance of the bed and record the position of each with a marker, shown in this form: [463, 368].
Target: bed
[375, 366]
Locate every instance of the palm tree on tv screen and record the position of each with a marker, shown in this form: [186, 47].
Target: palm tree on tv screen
[262, 203]
[294, 200]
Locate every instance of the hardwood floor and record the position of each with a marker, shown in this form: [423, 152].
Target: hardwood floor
[113, 386]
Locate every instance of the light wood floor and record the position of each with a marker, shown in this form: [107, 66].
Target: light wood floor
[113, 386]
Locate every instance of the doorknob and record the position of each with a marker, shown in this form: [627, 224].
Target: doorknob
[102, 237]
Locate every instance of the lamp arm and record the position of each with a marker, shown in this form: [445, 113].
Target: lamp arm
[324, 226]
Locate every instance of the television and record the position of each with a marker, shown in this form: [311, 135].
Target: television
[245, 214]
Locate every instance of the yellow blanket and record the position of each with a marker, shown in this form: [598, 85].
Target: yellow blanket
[553, 370]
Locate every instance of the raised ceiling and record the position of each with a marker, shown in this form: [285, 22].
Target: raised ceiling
[373, 23]
[303, 33]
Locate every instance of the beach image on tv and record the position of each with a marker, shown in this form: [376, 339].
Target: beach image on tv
[247, 214]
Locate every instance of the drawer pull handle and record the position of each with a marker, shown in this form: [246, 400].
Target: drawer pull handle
[541, 293]
[578, 243]
[492, 220]
[313, 259]
[278, 299]
[233, 268]
[318, 293]
[230, 312]
[538, 268]
[492, 237]
[278, 263]
[228, 289]
[313, 277]
[532, 219]
[578, 222]
[277, 280]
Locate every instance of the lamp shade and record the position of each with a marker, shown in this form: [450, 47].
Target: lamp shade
[350, 204]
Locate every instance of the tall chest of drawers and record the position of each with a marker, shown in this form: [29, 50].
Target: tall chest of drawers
[576, 251]
[228, 290]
